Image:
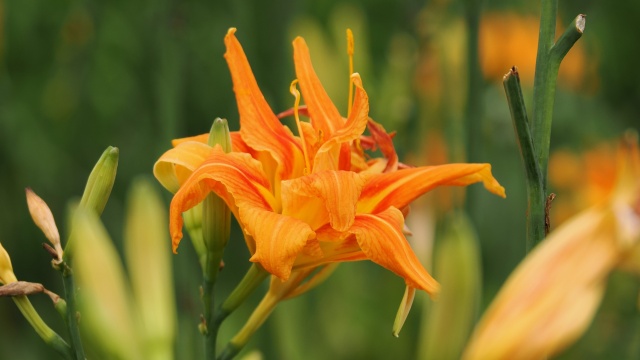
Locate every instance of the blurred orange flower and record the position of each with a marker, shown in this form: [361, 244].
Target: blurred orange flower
[580, 180]
[310, 199]
[508, 39]
[551, 297]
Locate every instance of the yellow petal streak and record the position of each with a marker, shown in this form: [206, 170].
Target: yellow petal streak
[380, 238]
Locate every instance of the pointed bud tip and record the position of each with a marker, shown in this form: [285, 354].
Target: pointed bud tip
[220, 135]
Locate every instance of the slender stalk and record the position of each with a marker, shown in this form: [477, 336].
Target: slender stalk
[278, 291]
[45, 332]
[257, 318]
[72, 321]
[251, 280]
[535, 189]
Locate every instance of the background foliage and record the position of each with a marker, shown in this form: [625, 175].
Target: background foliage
[76, 76]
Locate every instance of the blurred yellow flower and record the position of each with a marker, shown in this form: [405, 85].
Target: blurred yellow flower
[6, 269]
[313, 199]
[550, 299]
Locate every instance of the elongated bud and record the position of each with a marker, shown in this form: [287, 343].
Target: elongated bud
[216, 216]
[457, 267]
[146, 245]
[6, 270]
[403, 310]
[100, 182]
[42, 216]
[105, 301]
[193, 224]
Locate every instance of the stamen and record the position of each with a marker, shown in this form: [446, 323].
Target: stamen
[350, 47]
[294, 91]
[350, 51]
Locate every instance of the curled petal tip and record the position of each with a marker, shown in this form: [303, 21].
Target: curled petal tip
[175, 242]
[231, 31]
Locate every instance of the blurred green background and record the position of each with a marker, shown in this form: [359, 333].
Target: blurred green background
[77, 76]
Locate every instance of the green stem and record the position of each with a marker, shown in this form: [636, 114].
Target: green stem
[544, 85]
[251, 280]
[535, 189]
[72, 321]
[257, 318]
[548, 61]
[211, 328]
[49, 336]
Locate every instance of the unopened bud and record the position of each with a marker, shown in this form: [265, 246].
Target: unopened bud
[457, 267]
[216, 216]
[42, 216]
[403, 310]
[100, 182]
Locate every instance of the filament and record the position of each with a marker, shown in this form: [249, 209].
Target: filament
[294, 91]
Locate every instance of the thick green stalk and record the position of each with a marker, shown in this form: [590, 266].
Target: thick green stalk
[72, 321]
[549, 57]
[548, 61]
[216, 223]
[535, 188]
[544, 83]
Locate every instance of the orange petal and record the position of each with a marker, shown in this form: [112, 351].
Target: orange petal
[399, 188]
[315, 197]
[324, 114]
[259, 126]
[279, 239]
[235, 177]
[335, 246]
[380, 238]
[328, 156]
[177, 164]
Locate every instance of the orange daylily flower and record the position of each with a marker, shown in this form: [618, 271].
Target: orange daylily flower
[310, 199]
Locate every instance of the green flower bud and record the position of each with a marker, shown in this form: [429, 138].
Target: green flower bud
[105, 298]
[146, 245]
[100, 182]
[450, 318]
[216, 216]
